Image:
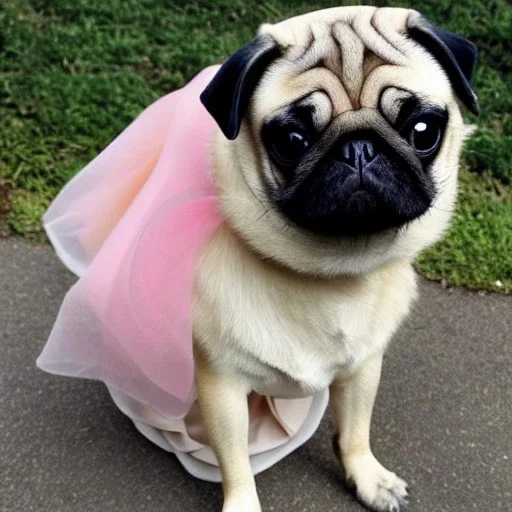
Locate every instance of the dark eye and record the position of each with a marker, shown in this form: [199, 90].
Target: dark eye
[287, 147]
[425, 135]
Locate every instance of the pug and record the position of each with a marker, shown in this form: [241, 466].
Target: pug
[336, 159]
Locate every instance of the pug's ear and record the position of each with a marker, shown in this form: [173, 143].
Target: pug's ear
[227, 96]
[456, 55]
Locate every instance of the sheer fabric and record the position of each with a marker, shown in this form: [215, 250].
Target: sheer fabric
[130, 225]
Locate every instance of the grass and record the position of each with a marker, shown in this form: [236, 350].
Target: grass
[74, 73]
[477, 250]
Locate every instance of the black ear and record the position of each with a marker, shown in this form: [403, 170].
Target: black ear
[227, 96]
[456, 54]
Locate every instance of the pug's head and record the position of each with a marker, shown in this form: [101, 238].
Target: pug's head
[340, 135]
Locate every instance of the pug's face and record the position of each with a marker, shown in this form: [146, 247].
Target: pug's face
[341, 137]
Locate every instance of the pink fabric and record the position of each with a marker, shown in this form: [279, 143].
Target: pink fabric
[131, 225]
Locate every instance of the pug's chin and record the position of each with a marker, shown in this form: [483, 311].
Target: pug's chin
[360, 218]
[272, 236]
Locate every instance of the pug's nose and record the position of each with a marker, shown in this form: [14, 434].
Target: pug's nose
[356, 153]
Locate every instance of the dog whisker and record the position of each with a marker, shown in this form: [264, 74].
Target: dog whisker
[263, 214]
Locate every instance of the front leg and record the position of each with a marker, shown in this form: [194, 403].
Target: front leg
[352, 403]
[223, 403]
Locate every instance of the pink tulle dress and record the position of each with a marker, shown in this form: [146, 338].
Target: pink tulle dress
[130, 225]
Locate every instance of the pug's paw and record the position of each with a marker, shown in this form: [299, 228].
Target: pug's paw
[243, 502]
[375, 486]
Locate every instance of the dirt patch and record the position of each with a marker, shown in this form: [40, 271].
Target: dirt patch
[5, 207]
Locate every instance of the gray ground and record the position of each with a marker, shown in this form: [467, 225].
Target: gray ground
[443, 419]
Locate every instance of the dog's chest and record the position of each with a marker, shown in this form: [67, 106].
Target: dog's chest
[293, 346]
[290, 336]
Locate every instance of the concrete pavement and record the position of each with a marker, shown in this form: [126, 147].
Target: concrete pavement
[443, 418]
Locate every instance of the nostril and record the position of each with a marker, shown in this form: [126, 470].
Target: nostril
[348, 152]
[368, 151]
[356, 153]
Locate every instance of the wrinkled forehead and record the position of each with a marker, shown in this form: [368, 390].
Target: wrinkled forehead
[352, 54]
